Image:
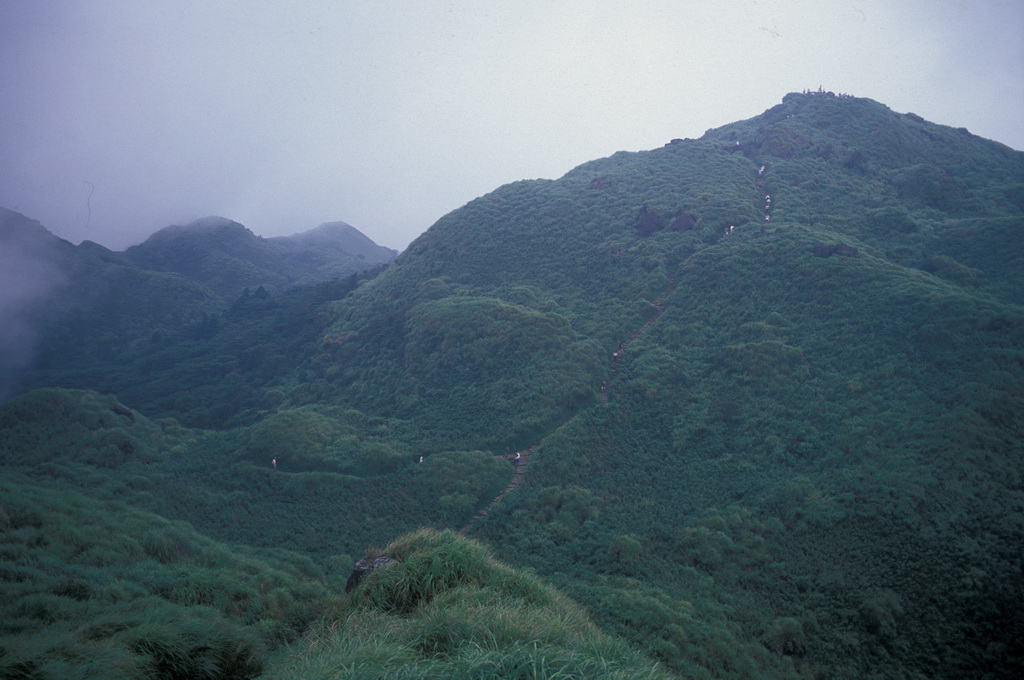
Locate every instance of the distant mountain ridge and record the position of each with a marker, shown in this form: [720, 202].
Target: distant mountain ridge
[226, 257]
[84, 307]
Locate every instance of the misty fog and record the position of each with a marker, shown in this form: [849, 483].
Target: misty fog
[28, 275]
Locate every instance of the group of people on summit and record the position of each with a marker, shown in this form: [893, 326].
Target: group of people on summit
[841, 95]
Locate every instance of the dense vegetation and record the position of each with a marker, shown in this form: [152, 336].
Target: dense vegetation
[772, 380]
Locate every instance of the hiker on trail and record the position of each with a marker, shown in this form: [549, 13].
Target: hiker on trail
[273, 461]
[421, 459]
[517, 457]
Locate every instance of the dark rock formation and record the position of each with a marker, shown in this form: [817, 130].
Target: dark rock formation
[649, 220]
[828, 250]
[364, 567]
[123, 411]
[684, 221]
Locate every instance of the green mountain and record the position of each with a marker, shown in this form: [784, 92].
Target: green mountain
[145, 324]
[82, 306]
[765, 387]
[226, 258]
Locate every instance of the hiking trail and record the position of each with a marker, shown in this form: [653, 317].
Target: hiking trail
[524, 455]
[524, 459]
[659, 307]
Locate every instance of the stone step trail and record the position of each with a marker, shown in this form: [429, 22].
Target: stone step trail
[659, 307]
[524, 455]
[524, 459]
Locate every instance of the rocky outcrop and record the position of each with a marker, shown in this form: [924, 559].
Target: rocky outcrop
[684, 221]
[649, 220]
[364, 567]
[830, 249]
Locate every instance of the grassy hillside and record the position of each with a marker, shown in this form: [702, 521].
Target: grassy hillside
[102, 590]
[770, 382]
[446, 609]
[343, 480]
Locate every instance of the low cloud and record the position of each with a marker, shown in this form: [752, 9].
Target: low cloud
[29, 275]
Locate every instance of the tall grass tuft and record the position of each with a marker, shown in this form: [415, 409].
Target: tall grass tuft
[448, 609]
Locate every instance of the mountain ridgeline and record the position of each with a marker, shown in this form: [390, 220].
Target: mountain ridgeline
[145, 323]
[226, 257]
[766, 389]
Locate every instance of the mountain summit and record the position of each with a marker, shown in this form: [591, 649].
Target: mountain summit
[753, 207]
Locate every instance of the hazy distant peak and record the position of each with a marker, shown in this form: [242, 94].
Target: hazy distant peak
[331, 231]
[327, 226]
[210, 223]
[341, 236]
[219, 228]
[327, 229]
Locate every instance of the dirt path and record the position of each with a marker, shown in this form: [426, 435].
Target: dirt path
[659, 306]
[524, 460]
[524, 455]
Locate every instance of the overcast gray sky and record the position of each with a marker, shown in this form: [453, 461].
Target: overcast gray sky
[119, 117]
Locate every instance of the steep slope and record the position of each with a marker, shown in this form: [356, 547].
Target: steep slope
[789, 463]
[583, 256]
